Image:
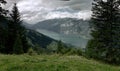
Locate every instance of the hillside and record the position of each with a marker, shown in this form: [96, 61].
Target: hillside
[51, 63]
[36, 38]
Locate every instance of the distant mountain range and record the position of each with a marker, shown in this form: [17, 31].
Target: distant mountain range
[64, 26]
[70, 30]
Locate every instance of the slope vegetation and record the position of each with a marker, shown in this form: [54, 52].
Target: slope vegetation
[51, 63]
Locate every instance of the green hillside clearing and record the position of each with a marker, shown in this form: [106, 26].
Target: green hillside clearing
[51, 63]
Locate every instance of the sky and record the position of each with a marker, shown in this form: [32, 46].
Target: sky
[33, 11]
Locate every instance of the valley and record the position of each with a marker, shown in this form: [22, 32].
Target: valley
[69, 30]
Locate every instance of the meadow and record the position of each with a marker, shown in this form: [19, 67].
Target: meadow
[52, 63]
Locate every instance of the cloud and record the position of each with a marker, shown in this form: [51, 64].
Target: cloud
[64, 12]
[37, 10]
[10, 3]
[79, 15]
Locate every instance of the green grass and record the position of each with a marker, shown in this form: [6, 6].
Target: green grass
[51, 63]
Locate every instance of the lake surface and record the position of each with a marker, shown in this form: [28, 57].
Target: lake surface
[72, 39]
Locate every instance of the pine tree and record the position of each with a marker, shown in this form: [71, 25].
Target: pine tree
[15, 28]
[105, 27]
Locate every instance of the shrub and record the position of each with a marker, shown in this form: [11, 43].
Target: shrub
[31, 52]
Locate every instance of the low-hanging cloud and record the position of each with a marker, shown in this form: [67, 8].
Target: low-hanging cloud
[37, 10]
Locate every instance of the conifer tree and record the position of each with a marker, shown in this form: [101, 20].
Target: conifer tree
[15, 28]
[105, 27]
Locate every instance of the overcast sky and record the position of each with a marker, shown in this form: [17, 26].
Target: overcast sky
[33, 11]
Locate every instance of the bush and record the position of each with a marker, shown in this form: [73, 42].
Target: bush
[74, 51]
[31, 52]
[79, 52]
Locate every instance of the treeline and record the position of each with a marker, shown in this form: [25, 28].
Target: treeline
[63, 49]
[56, 48]
[105, 31]
[12, 34]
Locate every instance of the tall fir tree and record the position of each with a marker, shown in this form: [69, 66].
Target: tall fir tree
[15, 28]
[105, 28]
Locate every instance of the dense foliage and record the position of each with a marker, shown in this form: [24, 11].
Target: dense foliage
[2, 29]
[105, 27]
[63, 49]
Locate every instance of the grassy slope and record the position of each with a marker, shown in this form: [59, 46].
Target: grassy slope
[51, 63]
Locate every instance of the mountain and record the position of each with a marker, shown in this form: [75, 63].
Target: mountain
[27, 25]
[64, 26]
[36, 38]
[69, 30]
